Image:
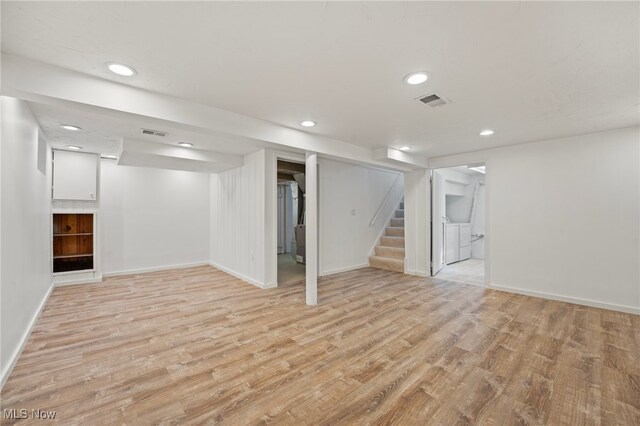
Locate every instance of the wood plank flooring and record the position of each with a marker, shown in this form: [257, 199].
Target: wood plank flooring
[196, 346]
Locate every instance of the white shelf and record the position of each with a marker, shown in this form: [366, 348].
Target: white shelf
[71, 256]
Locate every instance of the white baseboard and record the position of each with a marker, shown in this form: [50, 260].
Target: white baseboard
[568, 299]
[153, 269]
[483, 285]
[76, 277]
[98, 279]
[345, 269]
[25, 337]
[416, 273]
[237, 275]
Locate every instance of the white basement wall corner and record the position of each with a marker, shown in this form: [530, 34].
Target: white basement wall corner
[563, 217]
[152, 218]
[238, 220]
[25, 227]
[349, 197]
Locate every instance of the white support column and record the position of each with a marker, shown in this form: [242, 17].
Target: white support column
[311, 225]
[417, 216]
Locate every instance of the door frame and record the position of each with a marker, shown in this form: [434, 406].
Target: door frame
[281, 211]
[436, 223]
[487, 211]
[271, 263]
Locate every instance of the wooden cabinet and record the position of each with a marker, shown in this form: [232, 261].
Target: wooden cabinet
[72, 242]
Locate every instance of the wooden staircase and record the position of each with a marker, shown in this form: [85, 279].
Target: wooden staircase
[389, 253]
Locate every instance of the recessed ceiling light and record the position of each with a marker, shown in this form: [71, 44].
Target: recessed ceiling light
[416, 78]
[110, 157]
[307, 123]
[487, 132]
[70, 127]
[405, 148]
[185, 144]
[121, 69]
[74, 147]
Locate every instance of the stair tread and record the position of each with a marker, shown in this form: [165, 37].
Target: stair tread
[389, 252]
[387, 263]
[394, 231]
[391, 241]
[392, 259]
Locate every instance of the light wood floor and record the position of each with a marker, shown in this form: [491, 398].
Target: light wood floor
[198, 346]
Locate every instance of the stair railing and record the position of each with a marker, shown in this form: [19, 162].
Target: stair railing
[386, 199]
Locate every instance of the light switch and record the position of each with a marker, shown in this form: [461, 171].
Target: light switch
[353, 212]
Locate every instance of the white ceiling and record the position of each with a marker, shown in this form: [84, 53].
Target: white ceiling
[529, 70]
[102, 133]
[464, 169]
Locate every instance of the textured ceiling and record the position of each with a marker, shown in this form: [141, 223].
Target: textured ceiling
[104, 134]
[529, 70]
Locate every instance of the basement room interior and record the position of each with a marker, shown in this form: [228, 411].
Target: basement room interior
[320, 213]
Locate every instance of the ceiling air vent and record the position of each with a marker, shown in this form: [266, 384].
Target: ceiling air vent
[152, 132]
[432, 100]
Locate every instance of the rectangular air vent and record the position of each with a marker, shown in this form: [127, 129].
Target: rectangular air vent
[153, 132]
[432, 100]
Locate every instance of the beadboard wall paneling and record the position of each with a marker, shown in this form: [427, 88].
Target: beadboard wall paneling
[238, 219]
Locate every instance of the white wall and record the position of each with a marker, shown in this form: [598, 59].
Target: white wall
[238, 219]
[459, 206]
[417, 229]
[152, 218]
[458, 210]
[563, 217]
[25, 228]
[454, 181]
[349, 196]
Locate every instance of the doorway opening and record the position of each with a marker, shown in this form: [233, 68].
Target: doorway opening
[291, 222]
[458, 215]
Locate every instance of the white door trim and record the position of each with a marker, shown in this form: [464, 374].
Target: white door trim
[487, 211]
[271, 228]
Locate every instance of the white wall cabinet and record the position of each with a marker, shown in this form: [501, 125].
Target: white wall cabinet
[451, 243]
[75, 176]
[457, 242]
